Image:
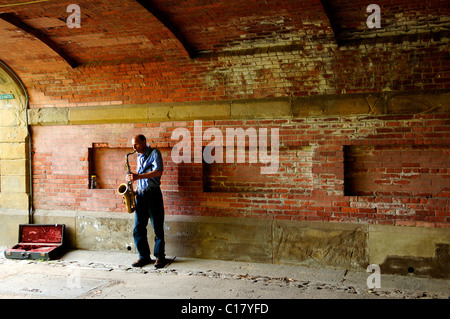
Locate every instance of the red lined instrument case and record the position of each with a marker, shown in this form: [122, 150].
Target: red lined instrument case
[39, 242]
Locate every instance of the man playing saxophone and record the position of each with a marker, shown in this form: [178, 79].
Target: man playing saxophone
[149, 202]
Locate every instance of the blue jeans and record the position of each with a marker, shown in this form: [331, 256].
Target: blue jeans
[149, 205]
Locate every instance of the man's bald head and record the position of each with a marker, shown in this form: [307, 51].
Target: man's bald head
[139, 143]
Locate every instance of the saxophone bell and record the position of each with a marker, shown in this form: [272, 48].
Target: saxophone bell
[126, 189]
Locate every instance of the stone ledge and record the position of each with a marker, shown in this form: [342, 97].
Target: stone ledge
[49, 116]
[261, 109]
[299, 107]
[107, 114]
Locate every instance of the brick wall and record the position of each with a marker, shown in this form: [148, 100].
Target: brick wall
[387, 169]
[398, 170]
[253, 50]
[316, 69]
[336, 165]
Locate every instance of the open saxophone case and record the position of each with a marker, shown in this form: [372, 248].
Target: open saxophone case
[38, 241]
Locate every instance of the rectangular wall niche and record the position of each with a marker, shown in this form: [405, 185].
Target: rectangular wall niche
[397, 170]
[108, 164]
[294, 173]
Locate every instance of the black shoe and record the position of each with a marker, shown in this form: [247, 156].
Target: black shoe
[141, 262]
[160, 263]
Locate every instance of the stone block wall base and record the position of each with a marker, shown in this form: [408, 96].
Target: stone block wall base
[397, 250]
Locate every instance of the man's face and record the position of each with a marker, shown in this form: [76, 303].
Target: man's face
[138, 145]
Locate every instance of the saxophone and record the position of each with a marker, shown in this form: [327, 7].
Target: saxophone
[126, 189]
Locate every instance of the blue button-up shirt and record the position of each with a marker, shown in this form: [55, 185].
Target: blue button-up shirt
[150, 160]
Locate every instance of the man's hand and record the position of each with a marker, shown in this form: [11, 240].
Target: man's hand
[132, 177]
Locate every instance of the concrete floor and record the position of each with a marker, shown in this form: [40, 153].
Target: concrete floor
[82, 274]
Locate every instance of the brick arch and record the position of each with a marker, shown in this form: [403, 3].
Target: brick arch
[111, 31]
[25, 49]
[34, 34]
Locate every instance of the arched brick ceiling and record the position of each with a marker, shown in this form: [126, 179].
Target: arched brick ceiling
[400, 20]
[120, 30]
[215, 26]
[110, 31]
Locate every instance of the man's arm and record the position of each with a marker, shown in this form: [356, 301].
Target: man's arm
[135, 177]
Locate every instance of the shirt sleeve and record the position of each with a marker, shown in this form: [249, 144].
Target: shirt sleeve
[157, 161]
